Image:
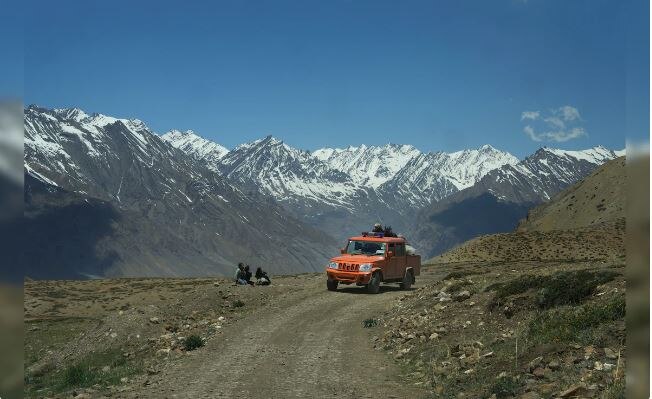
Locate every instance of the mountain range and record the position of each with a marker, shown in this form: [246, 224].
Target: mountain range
[265, 201]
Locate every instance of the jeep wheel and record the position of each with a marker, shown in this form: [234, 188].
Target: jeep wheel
[374, 284]
[331, 284]
[407, 280]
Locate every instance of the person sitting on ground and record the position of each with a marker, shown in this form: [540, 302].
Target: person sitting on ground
[248, 275]
[262, 278]
[240, 275]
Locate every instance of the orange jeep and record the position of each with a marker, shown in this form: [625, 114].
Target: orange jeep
[372, 258]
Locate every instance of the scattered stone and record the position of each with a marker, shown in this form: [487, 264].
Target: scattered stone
[124, 380]
[154, 320]
[462, 296]
[610, 354]
[574, 390]
[163, 352]
[534, 363]
[106, 369]
[538, 372]
[608, 366]
[433, 336]
[530, 395]
[553, 365]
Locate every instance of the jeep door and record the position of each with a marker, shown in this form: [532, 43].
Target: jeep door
[401, 260]
[394, 263]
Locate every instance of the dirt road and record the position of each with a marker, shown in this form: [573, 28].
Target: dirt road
[310, 344]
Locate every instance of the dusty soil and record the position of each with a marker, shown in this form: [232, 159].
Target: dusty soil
[291, 339]
[311, 344]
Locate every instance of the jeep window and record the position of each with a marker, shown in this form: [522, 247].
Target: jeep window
[365, 248]
[400, 249]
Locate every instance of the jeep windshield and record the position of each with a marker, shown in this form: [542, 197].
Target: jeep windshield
[365, 248]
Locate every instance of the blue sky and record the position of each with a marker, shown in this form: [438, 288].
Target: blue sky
[442, 75]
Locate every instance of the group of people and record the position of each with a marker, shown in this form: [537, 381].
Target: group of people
[243, 276]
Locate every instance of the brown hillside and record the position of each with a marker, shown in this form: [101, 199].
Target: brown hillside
[595, 200]
[583, 222]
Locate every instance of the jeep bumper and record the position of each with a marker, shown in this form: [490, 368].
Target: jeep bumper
[349, 277]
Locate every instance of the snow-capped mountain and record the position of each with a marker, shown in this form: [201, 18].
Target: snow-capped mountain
[160, 211]
[196, 146]
[209, 205]
[430, 177]
[503, 196]
[543, 174]
[368, 166]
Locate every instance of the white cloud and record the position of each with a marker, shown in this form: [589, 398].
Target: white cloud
[555, 126]
[534, 115]
[569, 113]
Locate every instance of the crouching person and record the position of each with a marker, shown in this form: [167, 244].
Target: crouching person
[240, 275]
[262, 278]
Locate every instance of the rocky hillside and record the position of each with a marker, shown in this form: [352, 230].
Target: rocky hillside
[595, 200]
[585, 221]
[151, 209]
[502, 197]
[513, 330]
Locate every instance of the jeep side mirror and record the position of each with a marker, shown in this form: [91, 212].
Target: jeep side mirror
[342, 251]
[390, 254]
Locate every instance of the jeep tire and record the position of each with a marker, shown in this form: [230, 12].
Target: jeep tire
[374, 284]
[408, 279]
[331, 285]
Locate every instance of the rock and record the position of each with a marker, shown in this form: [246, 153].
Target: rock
[216, 284]
[608, 366]
[163, 352]
[538, 372]
[221, 318]
[610, 354]
[462, 296]
[530, 395]
[106, 369]
[589, 351]
[445, 299]
[534, 363]
[154, 320]
[82, 396]
[433, 336]
[488, 354]
[574, 390]
[598, 366]
[553, 365]
[124, 380]
[113, 335]
[502, 374]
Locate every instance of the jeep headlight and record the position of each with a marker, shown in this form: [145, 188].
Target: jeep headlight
[365, 267]
[332, 265]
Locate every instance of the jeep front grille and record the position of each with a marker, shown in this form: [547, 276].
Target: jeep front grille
[348, 267]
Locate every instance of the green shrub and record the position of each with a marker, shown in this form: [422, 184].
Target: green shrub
[457, 286]
[368, 323]
[571, 288]
[78, 375]
[460, 274]
[504, 387]
[575, 323]
[238, 303]
[193, 342]
[563, 288]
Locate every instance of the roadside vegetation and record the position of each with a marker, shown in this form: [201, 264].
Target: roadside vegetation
[553, 331]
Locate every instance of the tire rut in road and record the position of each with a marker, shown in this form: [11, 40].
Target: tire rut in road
[309, 345]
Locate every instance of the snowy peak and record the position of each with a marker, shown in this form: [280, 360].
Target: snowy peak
[370, 166]
[596, 155]
[194, 145]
